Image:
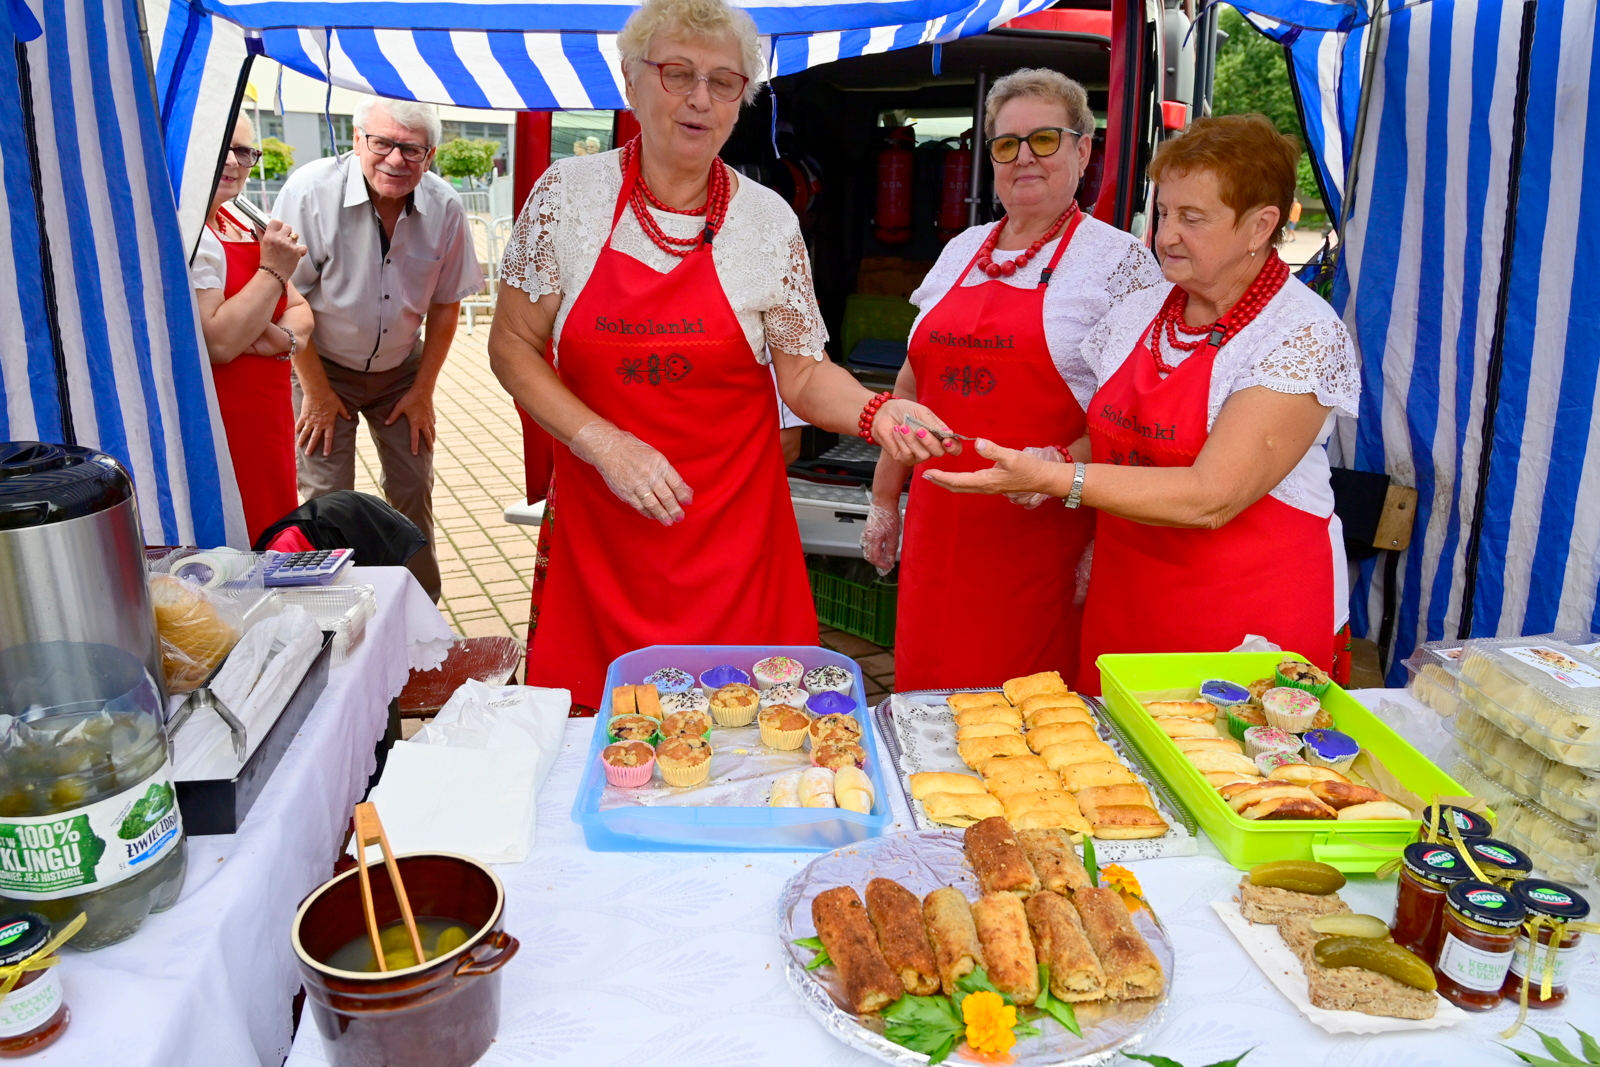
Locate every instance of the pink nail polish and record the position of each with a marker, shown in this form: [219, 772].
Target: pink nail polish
[922, 433]
[903, 429]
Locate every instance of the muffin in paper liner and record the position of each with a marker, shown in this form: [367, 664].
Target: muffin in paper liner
[1296, 674]
[773, 736]
[1243, 716]
[1260, 740]
[735, 705]
[1290, 709]
[624, 776]
[678, 767]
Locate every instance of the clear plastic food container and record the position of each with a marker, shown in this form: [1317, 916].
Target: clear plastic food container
[343, 609]
[1570, 793]
[1560, 851]
[1434, 686]
[1547, 694]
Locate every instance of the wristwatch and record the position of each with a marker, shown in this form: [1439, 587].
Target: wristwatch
[1074, 497]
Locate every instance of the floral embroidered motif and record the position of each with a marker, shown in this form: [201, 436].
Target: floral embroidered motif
[968, 380]
[655, 369]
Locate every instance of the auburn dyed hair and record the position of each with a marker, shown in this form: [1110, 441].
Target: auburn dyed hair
[1253, 162]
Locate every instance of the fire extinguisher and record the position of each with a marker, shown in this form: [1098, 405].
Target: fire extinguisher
[955, 187]
[893, 217]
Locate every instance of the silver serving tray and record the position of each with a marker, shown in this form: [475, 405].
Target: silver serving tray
[923, 861]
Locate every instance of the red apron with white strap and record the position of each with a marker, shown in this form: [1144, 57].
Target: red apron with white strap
[257, 407]
[986, 587]
[663, 356]
[1269, 571]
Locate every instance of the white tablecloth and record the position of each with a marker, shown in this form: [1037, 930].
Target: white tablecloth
[673, 958]
[209, 982]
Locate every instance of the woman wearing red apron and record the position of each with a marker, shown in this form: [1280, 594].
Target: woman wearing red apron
[1211, 402]
[664, 281]
[253, 320]
[1005, 304]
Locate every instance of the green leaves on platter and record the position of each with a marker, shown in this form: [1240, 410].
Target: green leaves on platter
[821, 959]
[1090, 864]
[1163, 1061]
[929, 1025]
[1562, 1056]
[1059, 1010]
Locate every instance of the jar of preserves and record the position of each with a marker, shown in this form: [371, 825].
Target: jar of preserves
[1502, 864]
[1557, 905]
[1426, 872]
[34, 1013]
[1469, 824]
[1481, 922]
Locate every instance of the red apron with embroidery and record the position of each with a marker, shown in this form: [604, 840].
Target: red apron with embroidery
[663, 356]
[986, 587]
[253, 396]
[1163, 589]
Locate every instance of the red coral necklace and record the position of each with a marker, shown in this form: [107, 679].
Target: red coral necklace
[986, 261]
[641, 200]
[1169, 328]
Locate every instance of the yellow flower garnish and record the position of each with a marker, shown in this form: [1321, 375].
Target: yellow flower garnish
[1115, 876]
[989, 1021]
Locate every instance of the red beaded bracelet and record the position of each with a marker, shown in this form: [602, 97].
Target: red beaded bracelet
[1066, 456]
[869, 413]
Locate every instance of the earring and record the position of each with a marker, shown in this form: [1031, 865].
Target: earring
[1252, 253]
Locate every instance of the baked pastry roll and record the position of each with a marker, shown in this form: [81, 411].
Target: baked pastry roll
[1052, 819]
[986, 729]
[927, 782]
[1344, 794]
[1207, 760]
[1075, 973]
[1218, 779]
[1289, 808]
[1242, 795]
[1054, 859]
[1079, 776]
[816, 788]
[852, 790]
[1305, 774]
[1051, 716]
[841, 920]
[1070, 752]
[963, 701]
[623, 702]
[1026, 763]
[1176, 726]
[1019, 689]
[896, 916]
[1030, 782]
[1183, 709]
[947, 917]
[1106, 795]
[1008, 953]
[1196, 744]
[648, 700]
[1041, 737]
[1124, 822]
[1017, 803]
[1060, 699]
[997, 860]
[1005, 716]
[1131, 969]
[979, 749]
[1376, 809]
[961, 809]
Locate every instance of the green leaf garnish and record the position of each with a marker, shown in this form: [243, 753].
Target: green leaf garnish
[1093, 867]
[929, 1025]
[1557, 1048]
[974, 981]
[1025, 1029]
[1233, 1062]
[1059, 1010]
[1591, 1047]
[1159, 1061]
[821, 959]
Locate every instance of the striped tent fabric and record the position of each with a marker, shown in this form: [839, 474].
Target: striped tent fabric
[468, 54]
[99, 341]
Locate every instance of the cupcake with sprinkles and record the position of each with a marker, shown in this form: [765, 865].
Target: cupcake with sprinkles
[692, 700]
[828, 679]
[670, 680]
[784, 693]
[775, 670]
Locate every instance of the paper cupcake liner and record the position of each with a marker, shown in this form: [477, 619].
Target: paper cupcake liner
[1237, 726]
[1315, 690]
[629, 777]
[1341, 765]
[1253, 750]
[683, 776]
[653, 740]
[783, 740]
[1296, 722]
[734, 716]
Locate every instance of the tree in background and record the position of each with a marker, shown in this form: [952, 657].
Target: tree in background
[277, 158]
[1253, 75]
[462, 158]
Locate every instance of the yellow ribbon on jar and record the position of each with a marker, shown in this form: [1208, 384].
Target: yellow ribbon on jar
[42, 960]
[1558, 933]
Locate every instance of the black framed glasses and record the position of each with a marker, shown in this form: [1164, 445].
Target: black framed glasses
[244, 154]
[679, 79]
[410, 152]
[1045, 141]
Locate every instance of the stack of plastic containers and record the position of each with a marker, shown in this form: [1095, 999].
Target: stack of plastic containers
[1527, 729]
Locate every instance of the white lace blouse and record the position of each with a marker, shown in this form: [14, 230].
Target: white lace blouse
[758, 255]
[1296, 345]
[1102, 265]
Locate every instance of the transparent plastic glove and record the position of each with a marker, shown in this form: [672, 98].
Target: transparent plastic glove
[640, 476]
[880, 539]
[1047, 453]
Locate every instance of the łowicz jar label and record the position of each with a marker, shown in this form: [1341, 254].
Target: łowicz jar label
[47, 857]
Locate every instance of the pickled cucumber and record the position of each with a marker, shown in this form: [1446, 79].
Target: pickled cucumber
[1380, 957]
[1351, 925]
[450, 938]
[1299, 876]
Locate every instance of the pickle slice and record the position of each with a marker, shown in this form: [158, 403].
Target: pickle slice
[1351, 925]
[1299, 876]
[1381, 957]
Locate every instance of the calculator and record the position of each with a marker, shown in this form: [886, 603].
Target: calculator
[317, 567]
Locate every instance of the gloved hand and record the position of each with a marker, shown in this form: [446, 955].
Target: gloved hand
[1047, 453]
[640, 476]
[880, 539]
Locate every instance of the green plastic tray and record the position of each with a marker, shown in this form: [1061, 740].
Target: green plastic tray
[1353, 847]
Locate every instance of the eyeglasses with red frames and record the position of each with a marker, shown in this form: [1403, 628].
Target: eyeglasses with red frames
[679, 79]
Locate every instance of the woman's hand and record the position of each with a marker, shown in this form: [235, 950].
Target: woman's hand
[1013, 472]
[905, 445]
[1045, 454]
[640, 476]
[880, 539]
[281, 248]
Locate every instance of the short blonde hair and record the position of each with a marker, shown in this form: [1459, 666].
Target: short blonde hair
[1043, 84]
[694, 20]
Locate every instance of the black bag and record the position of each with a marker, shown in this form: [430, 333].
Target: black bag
[380, 535]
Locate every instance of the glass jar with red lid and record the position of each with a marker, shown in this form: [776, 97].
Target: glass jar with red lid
[1481, 923]
[1552, 902]
[1469, 824]
[1502, 864]
[1427, 871]
[34, 1013]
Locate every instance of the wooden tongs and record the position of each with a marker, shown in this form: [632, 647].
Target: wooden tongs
[369, 830]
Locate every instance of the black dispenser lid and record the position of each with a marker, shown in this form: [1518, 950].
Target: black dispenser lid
[44, 483]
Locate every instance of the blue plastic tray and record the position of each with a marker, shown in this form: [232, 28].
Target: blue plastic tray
[723, 829]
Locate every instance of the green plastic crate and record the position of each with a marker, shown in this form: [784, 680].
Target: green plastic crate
[850, 598]
[883, 318]
[1353, 847]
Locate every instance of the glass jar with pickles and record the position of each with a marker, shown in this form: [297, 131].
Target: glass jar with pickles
[89, 818]
[1481, 922]
[1556, 905]
[1427, 871]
